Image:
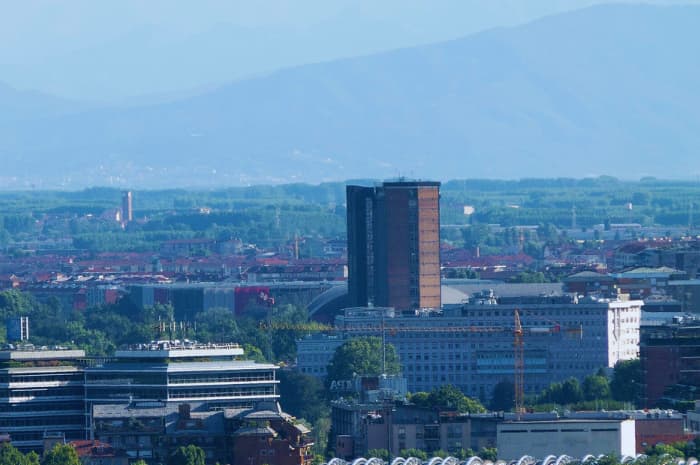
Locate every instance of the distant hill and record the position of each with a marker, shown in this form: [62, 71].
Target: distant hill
[18, 105]
[610, 89]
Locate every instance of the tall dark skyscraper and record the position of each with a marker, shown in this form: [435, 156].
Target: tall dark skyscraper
[394, 245]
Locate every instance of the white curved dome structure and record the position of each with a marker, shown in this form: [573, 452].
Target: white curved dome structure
[526, 460]
[563, 460]
[523, 460]
[474, 461]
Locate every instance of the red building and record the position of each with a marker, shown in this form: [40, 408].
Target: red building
[659, 427]
[670, 362]
[95, 452]
[266, 435]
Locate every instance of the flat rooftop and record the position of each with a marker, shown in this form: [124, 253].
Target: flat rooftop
[40, 353]
[179, 349]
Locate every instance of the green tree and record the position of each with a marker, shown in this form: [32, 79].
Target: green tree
[529, 277]
[488, 453]
[503, 397]
[14, 303]
[596, 387]
[662, 449]
[420, 398]
[252, 352]
[568, 392]
[61, 454]
[32, 458]
[608, 459]
[448, 397]
[284, 341]
[187, 455]
[475, 235]
[420, 454]
[11, 456]
[571, 391]
[217, 325]
[380, 453]
[362, 356]
[627, 380]
[302, 395]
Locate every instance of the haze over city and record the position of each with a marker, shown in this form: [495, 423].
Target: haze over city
[162, 94]
[350, 232]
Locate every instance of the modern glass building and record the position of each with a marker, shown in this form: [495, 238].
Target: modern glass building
[46, 392]
[181, 372]
[41, 392]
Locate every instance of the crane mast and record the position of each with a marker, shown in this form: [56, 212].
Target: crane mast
[519, 368]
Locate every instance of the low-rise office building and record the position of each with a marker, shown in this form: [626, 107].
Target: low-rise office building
[362, 426]
[180, 372]
[45, 392]
[151, 431]
[567, 436]
[41, 392]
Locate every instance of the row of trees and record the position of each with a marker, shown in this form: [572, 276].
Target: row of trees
[596, 391]
[65, 454]
[271, 215]
[485, 453]
[99, 330]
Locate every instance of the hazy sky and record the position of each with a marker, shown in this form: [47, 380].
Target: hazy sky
[113, 49]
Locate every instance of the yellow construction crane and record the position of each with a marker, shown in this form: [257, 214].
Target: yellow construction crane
[382, 328]
[519, 368]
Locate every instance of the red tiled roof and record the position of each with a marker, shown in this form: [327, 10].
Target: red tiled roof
[94, 448]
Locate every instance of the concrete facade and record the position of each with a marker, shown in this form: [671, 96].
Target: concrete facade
[573, 437]
[471, 345]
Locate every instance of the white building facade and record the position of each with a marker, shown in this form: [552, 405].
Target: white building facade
[573, 437]
[471, 345]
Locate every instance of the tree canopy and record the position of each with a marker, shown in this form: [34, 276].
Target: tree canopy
[596, 387]
[627, 381]
[447, 397]
[61, 454]
[9, 455]
[362, 356]
[503, 398]
[302, 395]
[187, 455]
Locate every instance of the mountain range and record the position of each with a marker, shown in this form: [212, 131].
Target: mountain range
[610, 89]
